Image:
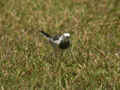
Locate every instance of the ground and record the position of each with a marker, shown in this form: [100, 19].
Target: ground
[29, 62]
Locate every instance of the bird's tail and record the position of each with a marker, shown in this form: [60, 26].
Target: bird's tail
[45, 34]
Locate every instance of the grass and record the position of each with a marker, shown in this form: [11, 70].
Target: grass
[28, 62]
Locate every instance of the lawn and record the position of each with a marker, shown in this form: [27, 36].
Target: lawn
[29, 62]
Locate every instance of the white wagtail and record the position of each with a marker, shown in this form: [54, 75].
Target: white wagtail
[61, 41]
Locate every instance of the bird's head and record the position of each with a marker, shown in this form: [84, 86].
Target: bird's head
[66, 35]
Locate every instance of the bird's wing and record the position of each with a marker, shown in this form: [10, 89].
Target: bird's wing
[56, 37]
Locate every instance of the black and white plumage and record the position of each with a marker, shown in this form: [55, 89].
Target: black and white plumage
[61, 41]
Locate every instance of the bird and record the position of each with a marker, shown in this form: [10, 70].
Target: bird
[60, 41]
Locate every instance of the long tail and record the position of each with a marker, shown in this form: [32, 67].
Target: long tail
[45, 34]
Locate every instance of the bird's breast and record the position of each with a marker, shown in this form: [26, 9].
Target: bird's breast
[64, 45]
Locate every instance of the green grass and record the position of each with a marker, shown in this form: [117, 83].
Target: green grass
[28, 62]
